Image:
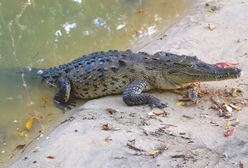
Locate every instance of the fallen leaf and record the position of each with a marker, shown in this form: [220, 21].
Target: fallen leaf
[106, 126]
[108, 139]
[241, 165]
[227, 108]
[228, 132]
[236, 92]
[154, 153]
[237, 121]
[180, 103]
[211, 26]
[228, 124]
[188, 117]
[45, 99]
[36, 117]
[214, 107]
[22, 133]
[51, 157]
[50, 114]
[140, 10]
[133, 147]
[178, 156]
[29, 124]
[157, 113]
[111, 110]
[214, 123]
[151, 114]
[21, 146]
[235, 107]
[212, 9]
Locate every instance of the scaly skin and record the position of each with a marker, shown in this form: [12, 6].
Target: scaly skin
[114, 72]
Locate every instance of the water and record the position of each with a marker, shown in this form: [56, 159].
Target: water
[47, 33]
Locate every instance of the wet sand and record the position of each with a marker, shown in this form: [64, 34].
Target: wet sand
[187, 136]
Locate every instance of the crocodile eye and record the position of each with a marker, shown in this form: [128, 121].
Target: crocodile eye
[123, 55]
[182, 65]
[172, 71]
[122, 63]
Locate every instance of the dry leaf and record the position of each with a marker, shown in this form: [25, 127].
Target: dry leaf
[229, 132]
[50, 114]
[45, 99]
[214, 107]
[29, 124]
[22, 133]
[21, 146]
[157, 113]
[106, 126]
[188, 117]
[211, 26]
[227, 108]
[36, 117]
[235, 107]
[237, 121]
[108, 139]
[180, 103]
[212, 9]
[241, 165]
[51, 157]
[236, 92]
[158, 151]
[140, 10]
[154, 153]
[111, 110]
[228, 124]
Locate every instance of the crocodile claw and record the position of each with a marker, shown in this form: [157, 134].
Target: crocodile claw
[155, 103]
[65, 106]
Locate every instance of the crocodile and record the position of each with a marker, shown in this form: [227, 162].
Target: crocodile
[132, 74]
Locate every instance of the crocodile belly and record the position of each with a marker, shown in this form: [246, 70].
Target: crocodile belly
[94, 89]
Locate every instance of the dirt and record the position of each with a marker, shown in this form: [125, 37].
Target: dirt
[106, 133]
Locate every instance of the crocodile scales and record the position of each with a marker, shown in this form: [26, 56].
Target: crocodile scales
[113, 72]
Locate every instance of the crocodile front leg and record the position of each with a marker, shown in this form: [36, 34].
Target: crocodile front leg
[193, 95]
[133, 95]
[62, 96]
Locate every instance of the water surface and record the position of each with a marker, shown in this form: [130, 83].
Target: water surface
[48, 33]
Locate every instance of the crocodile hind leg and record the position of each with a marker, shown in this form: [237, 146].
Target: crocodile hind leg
[62, 97]
[133, 95]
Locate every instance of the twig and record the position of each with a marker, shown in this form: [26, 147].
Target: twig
[135, 148]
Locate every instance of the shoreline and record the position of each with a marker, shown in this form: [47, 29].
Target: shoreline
[135, 135]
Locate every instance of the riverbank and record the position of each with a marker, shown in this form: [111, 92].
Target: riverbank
[193, 136]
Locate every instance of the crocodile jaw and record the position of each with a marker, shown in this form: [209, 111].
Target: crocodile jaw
[203, 74]
[218, 74]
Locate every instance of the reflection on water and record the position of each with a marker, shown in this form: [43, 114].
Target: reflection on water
[47, 33]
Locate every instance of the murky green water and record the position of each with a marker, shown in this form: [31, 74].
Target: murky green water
[45, 33]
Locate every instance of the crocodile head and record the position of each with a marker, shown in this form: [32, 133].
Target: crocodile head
[181, 70]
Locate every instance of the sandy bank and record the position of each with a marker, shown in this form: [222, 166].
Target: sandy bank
[190, 136]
